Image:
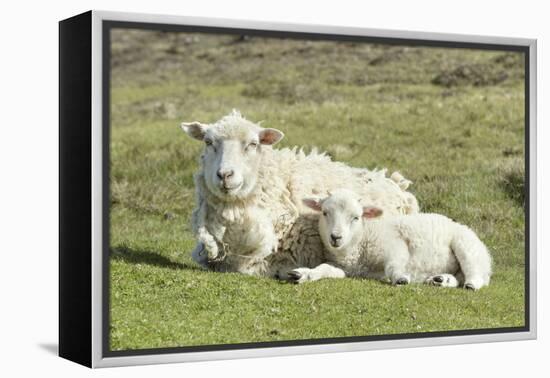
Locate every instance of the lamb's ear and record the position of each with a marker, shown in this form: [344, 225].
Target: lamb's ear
[371, 212]
[194, 129]
[313, 203]
[270, 136]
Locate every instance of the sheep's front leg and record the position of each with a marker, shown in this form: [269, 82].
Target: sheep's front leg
[207, 247]
[252, 243]
[209, 242]
[259, 236]
[302, 275]
[200, 255]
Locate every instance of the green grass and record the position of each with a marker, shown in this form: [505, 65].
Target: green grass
[450, 120]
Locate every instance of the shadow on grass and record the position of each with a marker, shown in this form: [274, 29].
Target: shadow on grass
[134, 256]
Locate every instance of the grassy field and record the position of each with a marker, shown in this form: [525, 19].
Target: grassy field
[451, 120]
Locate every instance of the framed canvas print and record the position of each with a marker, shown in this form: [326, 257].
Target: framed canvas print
[234, 189]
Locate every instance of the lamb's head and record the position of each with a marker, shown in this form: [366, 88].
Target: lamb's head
[340, 224]
[232, 153]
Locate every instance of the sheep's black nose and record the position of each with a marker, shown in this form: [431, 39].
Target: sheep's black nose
[224, 175]
[335, 238]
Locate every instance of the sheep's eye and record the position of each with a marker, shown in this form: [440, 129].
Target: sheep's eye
[355, 219]
[325, 213]
[252, 145]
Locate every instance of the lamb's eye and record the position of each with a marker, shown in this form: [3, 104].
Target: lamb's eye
[355, 219]
[252, 146]
[325, 213]
[210, 144]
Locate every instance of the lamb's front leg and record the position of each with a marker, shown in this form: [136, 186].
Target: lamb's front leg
[396, 260]
[301, 275]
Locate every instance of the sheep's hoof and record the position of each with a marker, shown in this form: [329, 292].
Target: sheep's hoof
[438, 279]
[469, 286]
[211, 251]
[199, 256]
[402, 281]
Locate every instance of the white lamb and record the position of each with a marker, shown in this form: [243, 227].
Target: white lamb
[249, 197]
[429, 248]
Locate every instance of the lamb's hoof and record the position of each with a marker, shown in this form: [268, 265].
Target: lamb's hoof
[294, 276]
[442, 280]
[299, 275]
[469, 286]
[402, 281]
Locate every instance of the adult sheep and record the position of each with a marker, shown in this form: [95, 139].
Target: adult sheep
[249, 215]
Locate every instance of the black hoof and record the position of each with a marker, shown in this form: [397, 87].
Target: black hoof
[469, 287]
[438, 279]
[294, 276]
[401, 281]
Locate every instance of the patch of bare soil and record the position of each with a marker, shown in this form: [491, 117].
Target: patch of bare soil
[471, 74]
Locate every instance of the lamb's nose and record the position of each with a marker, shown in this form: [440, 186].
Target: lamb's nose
[335, 237]
[224, 175]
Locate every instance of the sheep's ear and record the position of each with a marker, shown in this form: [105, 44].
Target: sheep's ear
[372, 212]
[313, 203]
[270, 136]
[195, 129]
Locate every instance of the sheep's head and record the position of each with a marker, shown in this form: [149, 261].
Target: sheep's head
[340, 222]
[232, 153]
